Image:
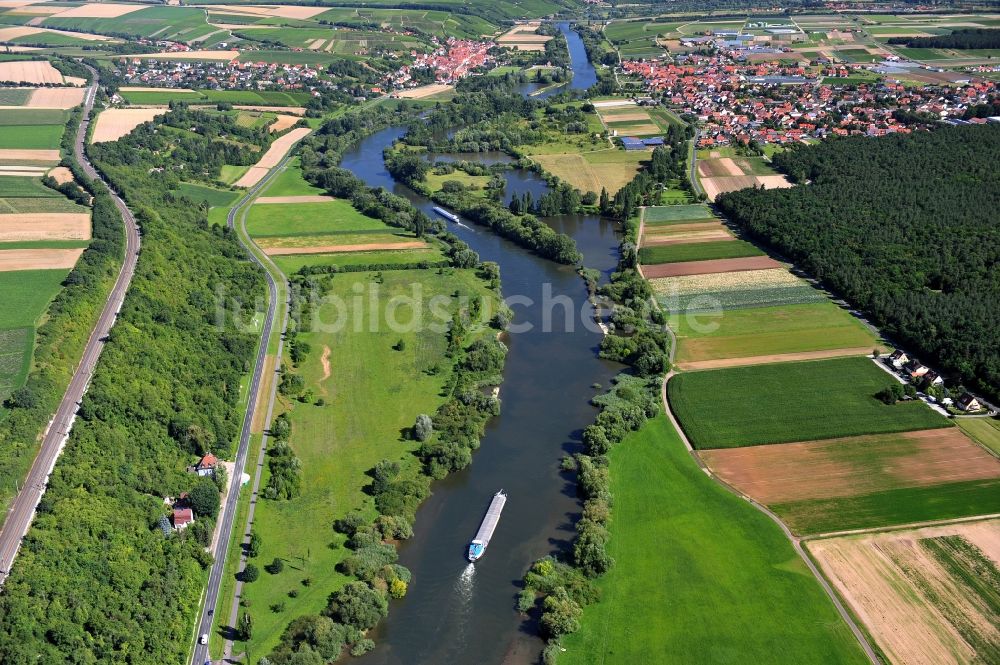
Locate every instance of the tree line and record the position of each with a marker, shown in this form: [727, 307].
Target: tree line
[966, 38]
[97, 579]
[904, 228]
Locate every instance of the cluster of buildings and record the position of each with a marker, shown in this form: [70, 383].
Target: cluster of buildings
[232, 75]
[913, 371]
[451, 61]
[738, 101]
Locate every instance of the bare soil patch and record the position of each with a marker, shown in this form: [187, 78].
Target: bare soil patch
[271, 158]
[670, 229]
[623, 117]
[776, 358]
[317, 198]
[687, 238]
[55, 98]
[423, 91]
[11, 154]
[112, 124]
[283, 122]
[844, 467]
[38, 259]
[99, 10]
[918, 610]
[44, 226]
[773, 181]
[719, 185]
[61, 174]
[30, 71]
[341, 249]
[709, 267]
[266, 380]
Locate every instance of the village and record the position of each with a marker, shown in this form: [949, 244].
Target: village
[233, 75]
[739, 98]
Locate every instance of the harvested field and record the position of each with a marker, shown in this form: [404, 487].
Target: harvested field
[283, 122]
[38, 259]
[281, 11]
[685, 238]
[7, 34]
[724, 166]
[112, 124]
[61, 174]
[590, 171]
[852, 465]
[31, 71]
[55, 98]
[339, 249]
[927, 596]
[44, 226]
[719, 185]
[719, 363]
[424, 91]
[709, 267]
[272, 157]
[629, 115]
[99, 10]
[317, 198]
[11, 154]
[670, 230]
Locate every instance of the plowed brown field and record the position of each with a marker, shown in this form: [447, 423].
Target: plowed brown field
[709, 267]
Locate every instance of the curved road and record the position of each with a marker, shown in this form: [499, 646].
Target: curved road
[22, 511]
[205, 622]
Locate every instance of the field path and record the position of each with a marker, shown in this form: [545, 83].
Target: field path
[741, 361]
[22, 511]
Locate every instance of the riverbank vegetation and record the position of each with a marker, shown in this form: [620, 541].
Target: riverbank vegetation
[924, 205]
[166, 390]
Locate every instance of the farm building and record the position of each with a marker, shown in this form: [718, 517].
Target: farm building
[653, 141]
[632, 143]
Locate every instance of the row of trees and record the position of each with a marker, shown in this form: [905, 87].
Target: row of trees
[966, 38]
[96, 552]
[904, 228]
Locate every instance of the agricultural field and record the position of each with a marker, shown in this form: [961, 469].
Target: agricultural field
[866, 481]
[642, 38]
[986, 431]
[148, 96]
[734, 290]
[928, 595]
[371, 392]
[590, 171]
[700, 608]
[337, 41]
[31, 137]
[679, 214]
[747, 331]
[274, 154]
[112, 124]
[710, 266]
[183, 24]
[724, 170]
[213, 197]
[697, 251]
[790, 402]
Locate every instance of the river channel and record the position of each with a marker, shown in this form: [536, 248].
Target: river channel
[457, 613]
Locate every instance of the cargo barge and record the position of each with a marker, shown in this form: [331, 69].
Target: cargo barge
[450, 216]
[477, 548]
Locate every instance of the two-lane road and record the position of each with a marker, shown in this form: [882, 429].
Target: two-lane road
[22, 511]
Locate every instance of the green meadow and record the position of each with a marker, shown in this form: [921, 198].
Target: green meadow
[31, 137]
[985, 431]
[680, 214]
[289, 219]
[784, 402]
[762, 331]
[697, 251]
[372, 393]
[291, 183]
[399, 259]
[210, 195]
[699, 575]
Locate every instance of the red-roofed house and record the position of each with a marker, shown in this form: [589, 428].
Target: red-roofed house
[182, 517]
[206, 466]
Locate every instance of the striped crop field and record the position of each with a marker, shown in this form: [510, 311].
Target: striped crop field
[733, 290]
[657, 215]
[697, 251]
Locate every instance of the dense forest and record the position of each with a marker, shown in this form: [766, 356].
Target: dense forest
[97, 580]
[903, 227]
[967, 38]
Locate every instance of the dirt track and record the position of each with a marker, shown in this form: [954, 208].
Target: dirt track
[775, 358]
[271, 158]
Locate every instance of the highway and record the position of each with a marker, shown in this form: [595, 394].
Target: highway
[22, 511]
[207, 619]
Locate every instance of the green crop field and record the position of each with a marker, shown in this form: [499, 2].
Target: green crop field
[174, 23]
[373, 392]
[701, 577]
[697, 251]
[26, 295]
[28, 116]
[10, 206]
[15, 358]
[403, 258]
[213, 197]
[984, 430]
[22, 187]
[741, 298]
[31, 137]
[290, 182]
[431, 22]
[289, 219]
[891, 507]
[763, 331]
[785, 402]
[247, 97]
[769, 330]
[13, 97]
[683, 214]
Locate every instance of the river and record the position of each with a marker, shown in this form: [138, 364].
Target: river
[455, 612]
